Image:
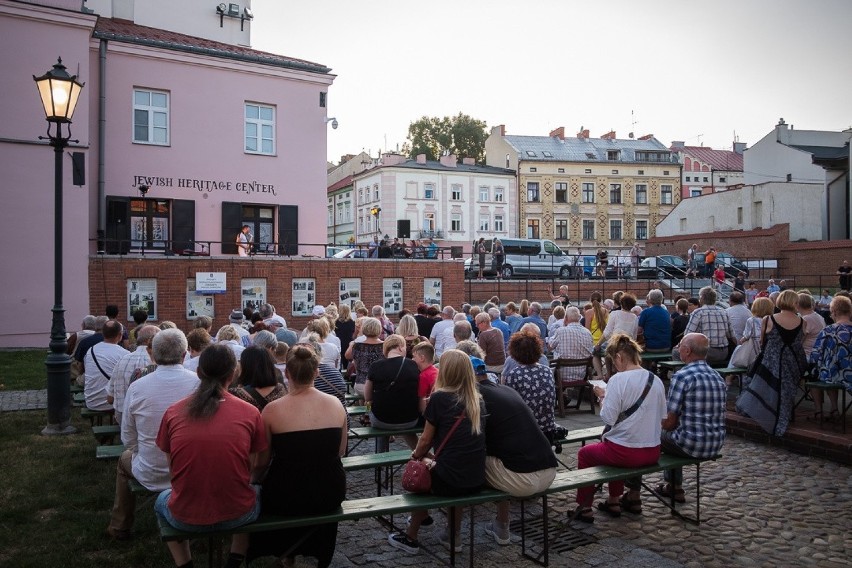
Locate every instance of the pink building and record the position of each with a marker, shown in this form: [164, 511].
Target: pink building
[706, 170]
[185, 140]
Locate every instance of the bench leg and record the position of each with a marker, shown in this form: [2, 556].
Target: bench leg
[670, 503]
[545, 553]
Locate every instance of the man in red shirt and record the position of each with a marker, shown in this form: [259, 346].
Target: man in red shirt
[424, 355]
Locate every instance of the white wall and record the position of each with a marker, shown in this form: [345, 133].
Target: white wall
[762, 206]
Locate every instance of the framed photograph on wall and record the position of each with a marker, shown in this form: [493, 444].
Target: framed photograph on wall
[432, 291]
[252, 292]
[304, 296]
[142, 294]
[350, 291]
[392, 295]
[198, 304]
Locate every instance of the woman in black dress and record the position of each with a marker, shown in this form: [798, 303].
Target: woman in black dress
[305, 477]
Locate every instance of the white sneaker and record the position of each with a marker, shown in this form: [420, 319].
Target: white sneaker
[445, 540]
[501, 537]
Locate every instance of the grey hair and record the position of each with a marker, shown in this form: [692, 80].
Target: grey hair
[90, 323]
[99, 322]
[572, 313]
[470, 349]
[530, 326]
[266, 310]
[535, 308]
[377, 311]
[146, 333]
[265, 339]
[462, 330]
[460, 317]
[449, 311]
[494, 313]
[655, 297]
[169, 347]
[707, 296]
[312, 339]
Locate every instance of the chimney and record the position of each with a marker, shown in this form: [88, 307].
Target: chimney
[469, 161]
[449, 161]
[421, 158]
[584, 133]
[646, 137]
[392, 159]
[678, 144]
[740, 147]
[609, 135]
[782, 133]
[558, 133]
[499, 130]
[345, 158]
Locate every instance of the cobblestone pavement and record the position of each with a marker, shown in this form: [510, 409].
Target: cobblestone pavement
[23, 400]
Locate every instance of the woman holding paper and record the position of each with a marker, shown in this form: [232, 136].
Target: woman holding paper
[633, 406]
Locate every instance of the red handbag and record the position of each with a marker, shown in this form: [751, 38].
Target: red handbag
[417, 477]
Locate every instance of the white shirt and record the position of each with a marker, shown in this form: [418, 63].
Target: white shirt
[242, 244]
[236, 347]
[738, 315]
[146, 401]
[123, 371]
[442, 341]
[621, 321]
[334, 340]
[642, 428]
[278, 319]
[95, 386]
[191, 363]
[330, 354]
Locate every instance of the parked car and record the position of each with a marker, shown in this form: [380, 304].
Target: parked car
[527, 257]
[662, 267]
[331, 251]
[731, 264]
[353, 253]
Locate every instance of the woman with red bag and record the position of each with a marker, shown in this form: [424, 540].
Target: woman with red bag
[455, 418]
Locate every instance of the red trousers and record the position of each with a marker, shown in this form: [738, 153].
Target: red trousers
[609, 453]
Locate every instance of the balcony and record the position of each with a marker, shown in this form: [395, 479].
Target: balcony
[430, 234]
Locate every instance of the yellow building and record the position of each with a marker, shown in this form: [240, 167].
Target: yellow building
[592, 193]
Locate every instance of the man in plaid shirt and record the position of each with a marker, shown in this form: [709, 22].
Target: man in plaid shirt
[572, 341]
[695, 424]
[713, 322]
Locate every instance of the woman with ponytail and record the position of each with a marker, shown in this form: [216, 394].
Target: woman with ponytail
[211, 431]
[459, 469]
[307, 436]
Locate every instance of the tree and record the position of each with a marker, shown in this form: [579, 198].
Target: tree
[460, 135]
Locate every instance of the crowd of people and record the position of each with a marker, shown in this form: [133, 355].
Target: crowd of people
[477, 381]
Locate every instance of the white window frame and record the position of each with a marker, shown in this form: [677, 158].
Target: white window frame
[152, 111]
[645, 192]
[557, 187]
[484, 193]
[533, 222]
[587, 185]
[498, 223]
[456, 192]
[429, 187]
[664, 192]
[484, 221]
[259, 123]
[429, 221]
[456, 222]
[498, 194]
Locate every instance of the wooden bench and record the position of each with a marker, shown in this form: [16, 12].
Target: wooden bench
[105, 434]
[356, 410]
[363, 433]
[827, 387]
[582, 385]
[96, 417]
[109, 452]
[387, 505]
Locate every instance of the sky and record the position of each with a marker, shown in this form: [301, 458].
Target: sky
[697, 72]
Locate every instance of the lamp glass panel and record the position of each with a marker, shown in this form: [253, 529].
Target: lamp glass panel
[44, 94]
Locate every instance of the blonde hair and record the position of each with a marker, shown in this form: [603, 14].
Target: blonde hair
[227, 333]
[762, 307]
[302, 364]
[394, 341]
[371, 327]
[626, 345]
[456, 376]
[319, 326]
[559, 312]
[407, 326]
[787, 300]
[344, 312]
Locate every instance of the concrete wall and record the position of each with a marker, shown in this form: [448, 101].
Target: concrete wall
[31, 37]
[750, 207]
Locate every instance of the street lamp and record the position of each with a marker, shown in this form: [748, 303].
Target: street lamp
[59, 94]
[376, 211]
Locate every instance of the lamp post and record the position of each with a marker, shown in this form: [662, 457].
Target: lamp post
[376, 211]
[59, 93]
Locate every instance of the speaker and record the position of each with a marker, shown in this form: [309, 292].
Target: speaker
[403, 228]
[78, 168]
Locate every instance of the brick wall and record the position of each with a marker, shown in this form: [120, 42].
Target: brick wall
[108, 282]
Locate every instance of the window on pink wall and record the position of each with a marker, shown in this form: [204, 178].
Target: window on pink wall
[705, 169]
[687, 164]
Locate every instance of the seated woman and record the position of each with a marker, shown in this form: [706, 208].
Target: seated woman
[633, 407]
[391, 391]
[257, 383]
[455, 419]
[407, 328]
[832, 354]
[619, 321]
[330, 351]
[364, 353]
[307, 438]
[191, 435]
[532, 379]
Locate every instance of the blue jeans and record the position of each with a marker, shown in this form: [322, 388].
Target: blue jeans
[161, 507]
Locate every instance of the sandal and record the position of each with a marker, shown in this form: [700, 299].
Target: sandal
[611, 509]
[665, 490]
[631, 505]
[582, 514]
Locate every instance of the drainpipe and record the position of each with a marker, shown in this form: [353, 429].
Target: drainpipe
[102, 53]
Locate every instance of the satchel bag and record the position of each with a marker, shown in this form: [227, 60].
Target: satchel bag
[745, 354]
[417, 477]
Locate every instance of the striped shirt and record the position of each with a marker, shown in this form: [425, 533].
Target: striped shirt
[697, 395]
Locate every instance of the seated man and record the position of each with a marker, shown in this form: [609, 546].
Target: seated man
[145, 403]
[713, 322]
[130, 367]
[655, 324]
[695, 424]
[99, 363]
[519, 459]
[571, 341]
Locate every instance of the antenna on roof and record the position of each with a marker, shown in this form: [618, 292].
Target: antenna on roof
[633, 123]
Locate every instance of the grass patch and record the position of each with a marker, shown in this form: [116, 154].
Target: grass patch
[23, 369]
[56, 498]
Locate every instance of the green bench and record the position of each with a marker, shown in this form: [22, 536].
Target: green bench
[96, 417]
[356, 410]
[109, 452]
[387, 505]
[363, 433]
[106, 433]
